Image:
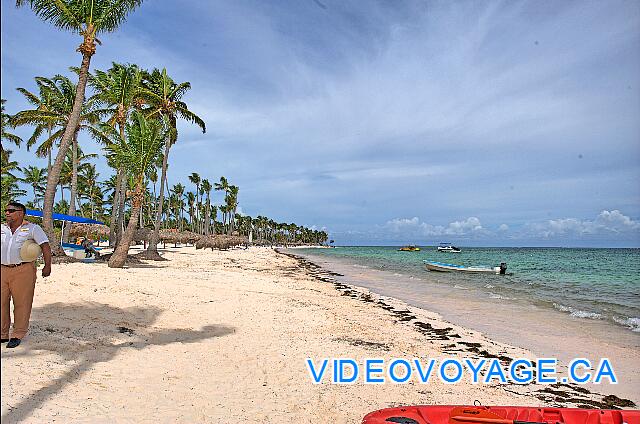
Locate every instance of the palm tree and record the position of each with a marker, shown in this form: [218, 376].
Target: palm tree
[4, 123]
[8, 165]
[138, 154]
[88, 187]
[191, 201]
[74, 161]
[36, 178]
[9, 182]
[87, 18]
[223, 185]
[195, 179]
[54, 106]
[207, 187]
[178, 191]
[163, 99]
[45, 115]
[117, 90]
[232, 204]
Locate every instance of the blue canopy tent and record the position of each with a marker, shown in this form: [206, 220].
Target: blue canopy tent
[68, 218]
[65, 219]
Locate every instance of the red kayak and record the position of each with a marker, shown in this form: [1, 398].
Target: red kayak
[500, 415]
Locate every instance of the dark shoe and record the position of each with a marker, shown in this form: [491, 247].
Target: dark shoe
[4, 340]
[13, 343]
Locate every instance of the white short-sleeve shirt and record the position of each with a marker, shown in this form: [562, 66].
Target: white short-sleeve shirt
[12, 242]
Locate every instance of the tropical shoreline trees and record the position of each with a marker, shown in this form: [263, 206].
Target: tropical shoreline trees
[88, 18]
[133, 113]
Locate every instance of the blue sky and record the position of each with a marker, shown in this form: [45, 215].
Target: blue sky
[388, 122]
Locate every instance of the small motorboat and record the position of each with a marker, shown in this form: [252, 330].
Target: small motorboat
[442, 267]
[500, 415]
[411, 248]
[448, 247]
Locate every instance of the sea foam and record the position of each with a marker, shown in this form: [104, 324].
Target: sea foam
[577, 312]
[632, 323]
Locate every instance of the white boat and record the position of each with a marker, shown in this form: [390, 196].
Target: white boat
[442, 267]
[448, 247]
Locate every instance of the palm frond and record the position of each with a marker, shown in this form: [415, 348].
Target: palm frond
[109, 17]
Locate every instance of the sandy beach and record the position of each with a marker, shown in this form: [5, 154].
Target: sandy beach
[223, 336]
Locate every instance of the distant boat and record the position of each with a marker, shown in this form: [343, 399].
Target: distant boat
[411, 248]
[442, 267]
[448, 247]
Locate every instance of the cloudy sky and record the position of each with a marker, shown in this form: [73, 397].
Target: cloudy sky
[385, 122]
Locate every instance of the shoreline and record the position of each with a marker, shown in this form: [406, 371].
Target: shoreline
[471, 323]
[224, 335]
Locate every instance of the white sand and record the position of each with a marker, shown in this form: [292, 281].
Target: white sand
[219, 337]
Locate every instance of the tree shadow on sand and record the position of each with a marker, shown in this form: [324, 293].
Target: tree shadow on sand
[89, 333]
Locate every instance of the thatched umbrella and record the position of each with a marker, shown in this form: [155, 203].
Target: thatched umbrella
[95, 231]
[142, 234]
[220, 242]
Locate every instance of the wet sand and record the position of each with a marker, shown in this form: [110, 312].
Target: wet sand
[546, 333]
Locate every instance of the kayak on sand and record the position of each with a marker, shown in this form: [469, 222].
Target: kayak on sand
[500, 415]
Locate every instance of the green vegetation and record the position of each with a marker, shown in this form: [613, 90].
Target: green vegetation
[133, 113]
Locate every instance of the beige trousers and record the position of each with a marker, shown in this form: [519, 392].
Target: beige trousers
[18, 284]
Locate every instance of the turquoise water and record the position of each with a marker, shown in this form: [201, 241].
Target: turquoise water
[598, 284]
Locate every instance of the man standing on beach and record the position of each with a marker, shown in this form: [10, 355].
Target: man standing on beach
[18, 276]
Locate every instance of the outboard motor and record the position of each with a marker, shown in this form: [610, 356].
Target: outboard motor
[503, 268]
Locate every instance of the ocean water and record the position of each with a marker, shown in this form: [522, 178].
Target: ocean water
[593, 284]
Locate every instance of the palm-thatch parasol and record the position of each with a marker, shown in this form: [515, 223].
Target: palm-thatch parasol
[220, 242]
[95, 231]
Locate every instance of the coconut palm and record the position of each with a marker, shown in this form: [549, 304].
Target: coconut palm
[10, 190]
[178, 191]
[45, 115]
[223, 185]
[75, 161]
[53, 108]
[139, 154]
[36, 178]
[232, 204]
[89, 187]
[191, 201]
[87, 18]
[116, 91]
[4, 124]
[206, 188]
[195, 179]
[163, 99]
[8, 165]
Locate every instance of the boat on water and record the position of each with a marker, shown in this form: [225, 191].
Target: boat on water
[411, 248]
[448, 247]
[442, 267]
[500, 415]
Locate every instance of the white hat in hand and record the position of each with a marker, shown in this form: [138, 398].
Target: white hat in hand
[30, 251]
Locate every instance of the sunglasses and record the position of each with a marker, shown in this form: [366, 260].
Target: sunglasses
[12, 210]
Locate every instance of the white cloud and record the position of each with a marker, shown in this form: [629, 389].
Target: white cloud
[413, 226]
[469, 225]
[615, 220]
[607, 222]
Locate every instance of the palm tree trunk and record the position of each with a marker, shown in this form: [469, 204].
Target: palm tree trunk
[119, 256]
[74, 186]
[54, 176]
[114, 207]
[50, 152]
[121, 207]
[155, 236]
[207, 213]
[93, 204]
